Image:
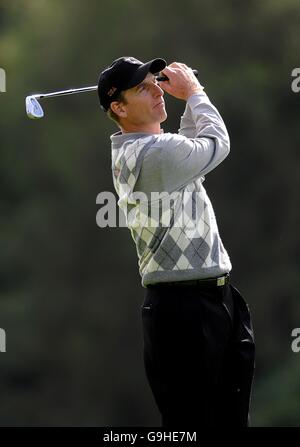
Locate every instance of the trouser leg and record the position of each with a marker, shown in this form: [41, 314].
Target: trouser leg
[196, 367]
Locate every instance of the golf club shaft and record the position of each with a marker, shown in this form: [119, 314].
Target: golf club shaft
[66, 92]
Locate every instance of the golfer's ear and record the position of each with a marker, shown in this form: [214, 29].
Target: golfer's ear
[118, 108]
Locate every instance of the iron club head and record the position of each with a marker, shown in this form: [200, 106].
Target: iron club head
[33, 108]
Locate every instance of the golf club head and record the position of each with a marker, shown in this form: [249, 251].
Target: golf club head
[33, 108]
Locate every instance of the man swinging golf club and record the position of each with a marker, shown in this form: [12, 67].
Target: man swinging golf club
[198, 337]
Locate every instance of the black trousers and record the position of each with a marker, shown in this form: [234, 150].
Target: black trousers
[199, 354]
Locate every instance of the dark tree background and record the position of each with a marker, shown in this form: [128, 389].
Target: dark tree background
[70, 292]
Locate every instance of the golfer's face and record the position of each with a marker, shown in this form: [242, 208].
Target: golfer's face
[145, 103]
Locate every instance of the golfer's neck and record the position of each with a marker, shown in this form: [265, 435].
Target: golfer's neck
[149, 128]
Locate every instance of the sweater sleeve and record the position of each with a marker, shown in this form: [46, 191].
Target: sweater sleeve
[187, 124]
[175, 160]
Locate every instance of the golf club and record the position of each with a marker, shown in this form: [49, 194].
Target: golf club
[34, 109]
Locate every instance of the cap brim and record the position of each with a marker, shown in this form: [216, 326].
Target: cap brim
[153, 66]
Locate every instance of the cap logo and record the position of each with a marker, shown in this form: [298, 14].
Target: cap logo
[112, 91]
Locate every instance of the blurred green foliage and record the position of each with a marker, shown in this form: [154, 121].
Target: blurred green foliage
[70, 292]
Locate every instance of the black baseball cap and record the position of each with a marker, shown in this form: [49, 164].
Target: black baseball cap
[122, 74]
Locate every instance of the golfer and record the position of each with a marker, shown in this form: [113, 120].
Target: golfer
[198, 338]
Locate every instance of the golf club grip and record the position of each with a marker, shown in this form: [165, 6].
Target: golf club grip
[165, 78]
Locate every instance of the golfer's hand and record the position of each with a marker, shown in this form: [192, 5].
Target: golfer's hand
[182, 82]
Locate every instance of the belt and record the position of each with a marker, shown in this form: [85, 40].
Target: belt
[208, 282]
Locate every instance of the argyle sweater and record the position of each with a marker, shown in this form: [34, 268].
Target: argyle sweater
[159, 181]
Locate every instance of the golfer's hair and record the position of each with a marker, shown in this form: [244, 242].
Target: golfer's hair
[112, 115]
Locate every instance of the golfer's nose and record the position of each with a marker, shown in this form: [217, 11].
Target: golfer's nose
[157, 90]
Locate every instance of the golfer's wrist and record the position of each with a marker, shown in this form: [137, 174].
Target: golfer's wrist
[195, 92]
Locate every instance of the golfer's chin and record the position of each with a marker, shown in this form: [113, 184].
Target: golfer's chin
[163, 115]
[164, 118]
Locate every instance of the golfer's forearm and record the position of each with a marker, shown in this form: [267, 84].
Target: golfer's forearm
[202, 123]
[187, 124]
[208, 122]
